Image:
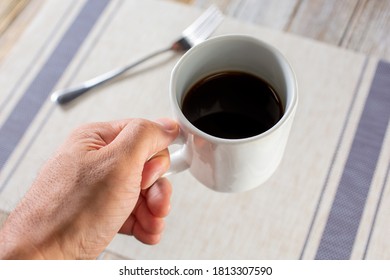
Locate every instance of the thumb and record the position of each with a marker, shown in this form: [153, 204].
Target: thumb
[140, 139]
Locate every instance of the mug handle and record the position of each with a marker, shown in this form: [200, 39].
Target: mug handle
[179, 158]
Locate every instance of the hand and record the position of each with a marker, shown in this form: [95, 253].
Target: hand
[103, 180]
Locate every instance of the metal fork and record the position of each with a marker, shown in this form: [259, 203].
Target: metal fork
[194, 34]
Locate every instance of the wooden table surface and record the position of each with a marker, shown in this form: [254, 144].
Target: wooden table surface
[359, 25]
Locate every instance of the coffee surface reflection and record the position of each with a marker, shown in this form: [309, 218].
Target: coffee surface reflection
[232, 105]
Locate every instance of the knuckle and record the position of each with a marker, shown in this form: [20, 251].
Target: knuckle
[142, 128]
[84, 129]
[156, 226]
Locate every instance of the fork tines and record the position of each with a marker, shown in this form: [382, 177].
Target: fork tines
[202, 28]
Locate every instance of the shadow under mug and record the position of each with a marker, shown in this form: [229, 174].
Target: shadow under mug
[232, 165]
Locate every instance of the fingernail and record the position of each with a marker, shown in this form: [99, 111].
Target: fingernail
[168, 124]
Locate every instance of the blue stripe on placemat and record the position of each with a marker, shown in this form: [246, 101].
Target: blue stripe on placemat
[378, 206]
[344, 218]
[43, 48]
[36, 94]
[336, 151]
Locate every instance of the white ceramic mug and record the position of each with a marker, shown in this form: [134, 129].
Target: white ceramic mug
[232, 165]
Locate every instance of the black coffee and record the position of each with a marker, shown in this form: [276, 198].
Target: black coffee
[232, 105]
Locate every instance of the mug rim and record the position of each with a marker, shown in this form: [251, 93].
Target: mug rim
[289, 110]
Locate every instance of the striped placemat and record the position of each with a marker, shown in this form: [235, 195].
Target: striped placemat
[326, 201]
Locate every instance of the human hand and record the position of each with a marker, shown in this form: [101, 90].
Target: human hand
[105, 179]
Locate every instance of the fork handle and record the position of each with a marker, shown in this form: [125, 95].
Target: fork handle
[64, 96]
